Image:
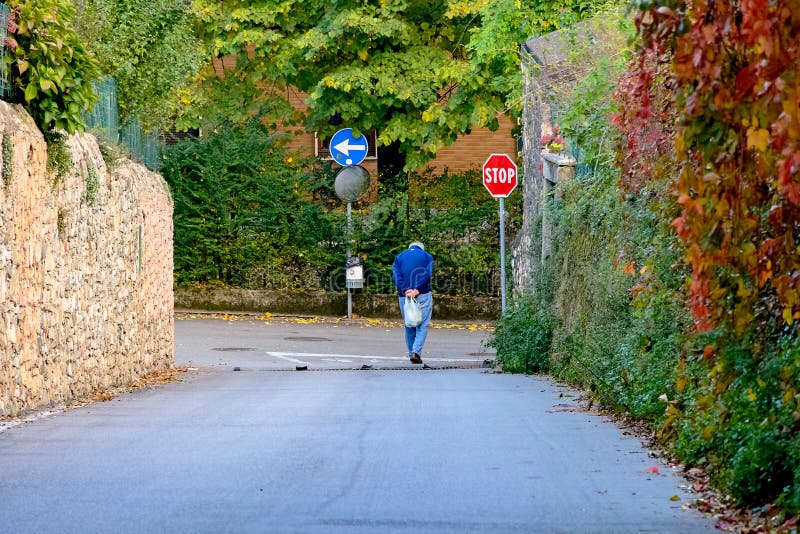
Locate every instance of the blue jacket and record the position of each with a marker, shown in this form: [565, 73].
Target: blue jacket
[412, 269]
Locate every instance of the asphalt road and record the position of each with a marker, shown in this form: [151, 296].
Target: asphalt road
[271, 449]
[282, 343]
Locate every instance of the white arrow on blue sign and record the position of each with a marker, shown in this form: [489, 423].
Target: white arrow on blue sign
[346, 149]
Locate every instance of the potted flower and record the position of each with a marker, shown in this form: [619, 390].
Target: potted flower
[553, 142]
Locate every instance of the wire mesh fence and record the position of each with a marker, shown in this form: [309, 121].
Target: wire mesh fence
[144, 147]
[104, 121]
[5, 87]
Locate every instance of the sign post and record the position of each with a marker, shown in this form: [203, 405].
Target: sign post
[500, 179]
[351, 183]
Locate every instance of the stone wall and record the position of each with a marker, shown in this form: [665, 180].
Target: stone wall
[85, 271]
[445, 307]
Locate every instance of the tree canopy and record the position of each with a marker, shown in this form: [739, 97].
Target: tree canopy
[149, 47]
[421, 72]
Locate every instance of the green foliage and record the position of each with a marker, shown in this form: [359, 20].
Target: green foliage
[745, 430]
[610, 283]
[8, 158]
[247, 215]
[50, 71]
[92, 184]
[242, 214]
[420, 73]
[59, 159]
[523, 337]
[503, 25]
[150, 49]
[615, 288]
[384, 66]
[586, 123]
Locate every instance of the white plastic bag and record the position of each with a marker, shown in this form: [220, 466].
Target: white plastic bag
[411, 313]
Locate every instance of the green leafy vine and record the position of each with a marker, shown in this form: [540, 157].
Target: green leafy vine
[50, 71]
[59, 160]
[8, 158]
[92, 184]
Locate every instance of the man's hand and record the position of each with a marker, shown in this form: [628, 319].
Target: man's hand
[412, 292]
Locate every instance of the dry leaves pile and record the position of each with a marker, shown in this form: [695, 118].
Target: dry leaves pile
[728, 518]
[155, 378]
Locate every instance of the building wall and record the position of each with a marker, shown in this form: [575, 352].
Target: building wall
[86, 298]
[470, 151]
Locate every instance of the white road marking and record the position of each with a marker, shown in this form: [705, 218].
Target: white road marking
[293, 357]
[284, 356]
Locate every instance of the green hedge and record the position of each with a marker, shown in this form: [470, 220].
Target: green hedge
[251, 214]
[608, 313]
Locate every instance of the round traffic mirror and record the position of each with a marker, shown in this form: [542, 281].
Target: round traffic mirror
[351, 183]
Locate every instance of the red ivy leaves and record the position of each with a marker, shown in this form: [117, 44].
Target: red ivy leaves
[646, 118]
[737, 96]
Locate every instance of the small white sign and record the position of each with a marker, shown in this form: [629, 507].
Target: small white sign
[355, 273]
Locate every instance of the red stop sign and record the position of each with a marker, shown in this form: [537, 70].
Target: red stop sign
[499, 175]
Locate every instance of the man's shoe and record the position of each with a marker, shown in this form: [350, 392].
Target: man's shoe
[415, 358]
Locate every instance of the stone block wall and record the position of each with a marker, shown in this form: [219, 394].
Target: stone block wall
[86, 299]
[332, 304]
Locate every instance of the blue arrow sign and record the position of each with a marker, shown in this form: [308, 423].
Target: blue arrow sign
[346, 149]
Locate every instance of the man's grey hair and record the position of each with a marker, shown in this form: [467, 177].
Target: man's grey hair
[417, 244]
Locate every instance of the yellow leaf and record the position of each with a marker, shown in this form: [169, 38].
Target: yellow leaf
[788, 316]
[674, 498]
[751, 395]
[757, 138]
[742, 291]
[363, 54]
[672, 410]
[680, 383]
[742, 317]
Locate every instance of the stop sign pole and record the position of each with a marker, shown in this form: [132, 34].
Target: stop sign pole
[500, 179]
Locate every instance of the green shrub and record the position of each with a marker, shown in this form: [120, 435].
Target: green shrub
[243, 214]
[748, 434]
[248, 214]
[522, 337]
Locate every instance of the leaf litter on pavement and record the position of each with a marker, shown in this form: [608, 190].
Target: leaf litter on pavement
[356, 320]
[709, 501]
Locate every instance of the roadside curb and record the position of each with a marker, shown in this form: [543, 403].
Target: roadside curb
[184, 313]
